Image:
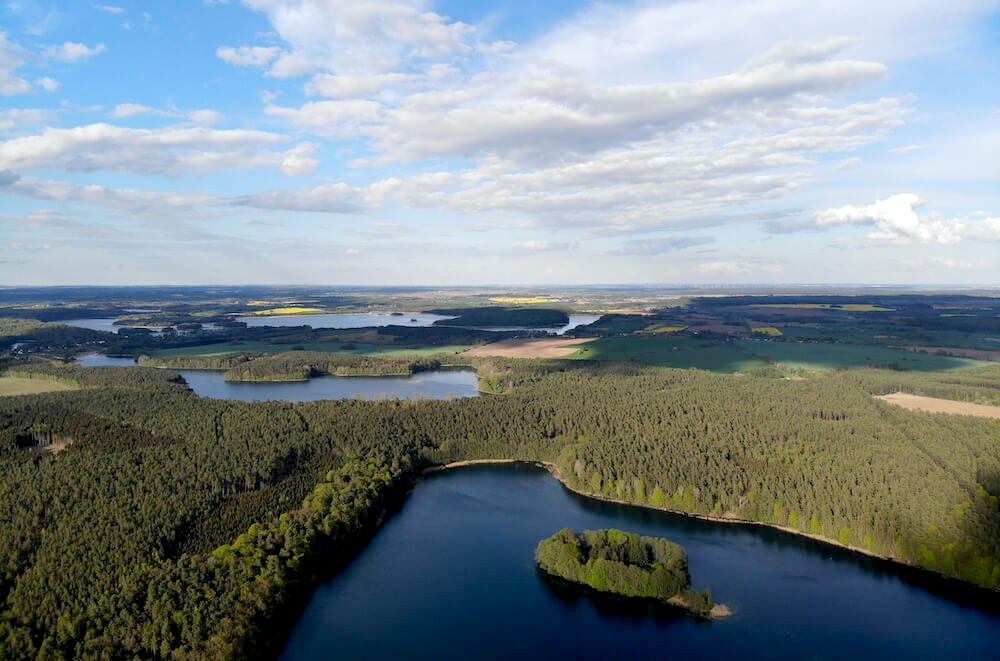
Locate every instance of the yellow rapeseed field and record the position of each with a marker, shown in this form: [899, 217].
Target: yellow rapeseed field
[517, 300]
[274, 311]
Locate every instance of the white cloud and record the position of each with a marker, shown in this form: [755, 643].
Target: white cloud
[291, 65]
[903, 150]
[110, 9]
[535, 245]
[48, 84]
[300, 160]
[248, 56]
[325, 84]
[73, 52]
[170, 151]
[330, 118]
[125, 110]
[736, 268]
[362, 37]
[949, 263]
[897, 222]
[12, 57]
[206, 116]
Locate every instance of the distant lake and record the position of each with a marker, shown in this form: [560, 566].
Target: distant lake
[362, 320]
[107, 324]
[574, 321]
[452, 576]
[438, 384]
[369, 320]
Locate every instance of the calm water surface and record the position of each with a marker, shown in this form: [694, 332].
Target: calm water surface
[108, 325]
[439, 384]
[574, 321]
[452, 576]
[365, 320]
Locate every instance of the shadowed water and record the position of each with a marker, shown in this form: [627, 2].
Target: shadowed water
[452, 576]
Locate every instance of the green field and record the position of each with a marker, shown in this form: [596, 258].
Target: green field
[17, 385]
[680, 351]
[833, 356]
[330, 347]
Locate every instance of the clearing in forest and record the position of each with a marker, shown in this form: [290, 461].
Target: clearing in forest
[18, 385]
[936, 405]
[529, 348]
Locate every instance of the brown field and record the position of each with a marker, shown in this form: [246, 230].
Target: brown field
[976, 354]
[935, 405]
[529, 348]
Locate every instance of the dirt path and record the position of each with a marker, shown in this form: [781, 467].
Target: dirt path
[935, 405]
[529, 348]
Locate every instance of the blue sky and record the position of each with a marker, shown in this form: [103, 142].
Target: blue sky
[456, 143]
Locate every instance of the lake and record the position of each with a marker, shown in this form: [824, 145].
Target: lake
[107, 324]
[385, 319]
[452, 576]
[361, 320]
[437, 384]
[574, 321]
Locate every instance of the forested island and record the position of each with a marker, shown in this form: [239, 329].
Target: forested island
[628, 565]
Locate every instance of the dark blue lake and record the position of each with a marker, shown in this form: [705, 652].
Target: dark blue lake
[452, 576]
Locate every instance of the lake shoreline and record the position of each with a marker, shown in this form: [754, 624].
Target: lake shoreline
[554, 471]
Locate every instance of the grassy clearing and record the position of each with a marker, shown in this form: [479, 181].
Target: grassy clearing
[18, 385]
[833, 356]
[663, 328]
[681, 352]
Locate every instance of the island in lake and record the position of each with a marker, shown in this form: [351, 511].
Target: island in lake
[628, 565]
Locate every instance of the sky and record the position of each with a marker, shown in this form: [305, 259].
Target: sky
[390, 142]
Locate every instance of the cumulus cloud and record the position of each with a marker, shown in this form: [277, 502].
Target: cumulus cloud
[291, 65]
[110, 9]
[535, 245]
[170, 151]
[248, 56]
[735, 268]
[661, 245]
[330, 118]
[362, 37]
[125, 110]
[325, 84]
[897, 222]
[73, 52]
[12, 58]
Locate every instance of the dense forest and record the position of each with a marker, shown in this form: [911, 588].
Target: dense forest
[501, 316]
[625, 564]
[179, 527]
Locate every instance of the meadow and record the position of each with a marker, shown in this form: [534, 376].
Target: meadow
[672, 351]
[815, 356]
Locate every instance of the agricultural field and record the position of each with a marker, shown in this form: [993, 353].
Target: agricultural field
[16, 385]
[845, 307]
[677, 351]
[814, 356]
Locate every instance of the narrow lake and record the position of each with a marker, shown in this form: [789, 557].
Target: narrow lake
[438, 384]
[574, 321]
[452, 576]
[107, 325]
[361, 320]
